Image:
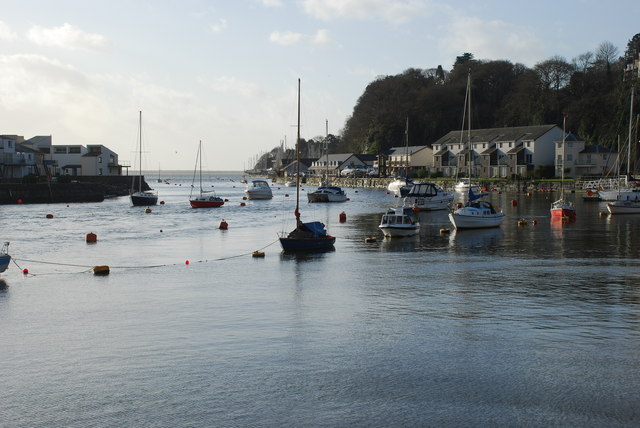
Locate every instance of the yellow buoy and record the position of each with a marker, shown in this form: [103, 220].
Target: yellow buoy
[522, 223]
[148, 210]
[258, 254]
[370, 239]
[444, 231]
[101, 270]
[603, 213]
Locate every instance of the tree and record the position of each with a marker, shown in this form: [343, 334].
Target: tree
[606, 54]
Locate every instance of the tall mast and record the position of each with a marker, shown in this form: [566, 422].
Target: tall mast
[406, 149]
[326, 149]
[140, 155]
[564, 134]
[200, 167]
[469, 123]
[630, 126]
[298, 158]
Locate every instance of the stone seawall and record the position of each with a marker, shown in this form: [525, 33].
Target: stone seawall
[81, 189]
[506, 186]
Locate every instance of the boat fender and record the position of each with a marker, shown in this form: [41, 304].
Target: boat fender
[101, 270]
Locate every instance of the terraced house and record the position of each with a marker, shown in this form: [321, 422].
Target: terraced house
[496, 152]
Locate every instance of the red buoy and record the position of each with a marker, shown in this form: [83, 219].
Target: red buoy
[223, 225]
[343, 217]
[514, 203]
[91, 237]
[186, 262]
[161, 202]
[49, 215]
[242, 204]
[25, 271]
[19, 201]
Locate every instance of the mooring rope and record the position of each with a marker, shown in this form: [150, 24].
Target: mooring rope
[89, 268]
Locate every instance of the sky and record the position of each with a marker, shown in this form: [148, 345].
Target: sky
[225, 72]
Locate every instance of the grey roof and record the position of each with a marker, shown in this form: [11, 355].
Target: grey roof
[497, 134]
[404, 149]
[489, 150]
[441, 152]
[598, 149]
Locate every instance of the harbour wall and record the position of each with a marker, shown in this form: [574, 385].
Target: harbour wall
[80, 189]
[505, 186]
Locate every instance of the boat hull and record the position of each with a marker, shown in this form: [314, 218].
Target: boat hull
[563, 212]
[627, 194]
[212, 202]
[624, 207]
[399, 232]
[464, 221]
[140, 199]
[5, 259]
[304, 244]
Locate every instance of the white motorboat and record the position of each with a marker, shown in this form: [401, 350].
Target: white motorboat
[400, 186]
[624, 193]
[399, 222]
[258, 189]
[327, 194]
[463, 185]
[428, 197]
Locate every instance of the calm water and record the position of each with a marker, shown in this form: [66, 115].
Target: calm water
[537, 325]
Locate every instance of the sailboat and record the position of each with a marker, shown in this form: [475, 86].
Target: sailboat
[401, 185]
[474, 214]
[306, 236]
[326, 192]
[202, 201]
[5, 258]
[627, 201]
[563, 208]
[140, 197]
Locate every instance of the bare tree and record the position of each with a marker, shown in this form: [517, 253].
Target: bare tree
[583, 61]
[606, 54]
[554, 73]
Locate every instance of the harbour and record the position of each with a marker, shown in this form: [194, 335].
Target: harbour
[533, 323]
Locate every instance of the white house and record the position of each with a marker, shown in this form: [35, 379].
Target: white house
[580, 159]
[496, 152]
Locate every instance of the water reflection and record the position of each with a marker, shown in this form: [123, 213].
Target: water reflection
[475, 240]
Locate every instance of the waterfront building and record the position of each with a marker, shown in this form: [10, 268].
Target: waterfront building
[496, 152]
[582, 160]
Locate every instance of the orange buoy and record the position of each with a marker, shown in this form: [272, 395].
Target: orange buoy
[342, 217]
[514, 203]
[223, 225]
[91, 237]
[49, 215]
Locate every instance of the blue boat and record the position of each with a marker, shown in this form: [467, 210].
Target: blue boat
[5, 258]
[310, 236]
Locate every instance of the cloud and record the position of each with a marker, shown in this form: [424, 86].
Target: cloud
[322, 37]
[286, 38]
[273, 3]
[219, 26]
[492, 40]
[395, 11]
[6, 33]
[226, 84]
[67, 36]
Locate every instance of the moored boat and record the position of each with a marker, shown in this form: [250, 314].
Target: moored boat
[141, 197]
[5, 258]
[399, 222]
[204, 200]
[327, 194]
[426, 196]
[624, 207]
[258, 189]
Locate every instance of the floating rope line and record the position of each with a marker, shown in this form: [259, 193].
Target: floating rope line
[90, 268]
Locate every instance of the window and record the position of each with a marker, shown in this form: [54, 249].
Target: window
[569, 157]
[60, 150]
[559, 159]
[100, 160]
[74, 150]
[500, 145]
[570, 144]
